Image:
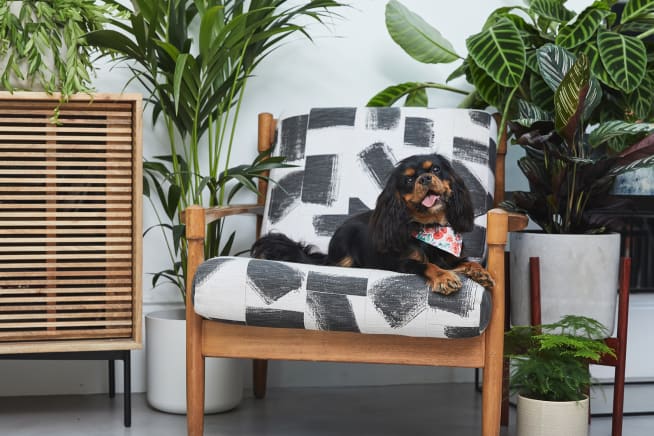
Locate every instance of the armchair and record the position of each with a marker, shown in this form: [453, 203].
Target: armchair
[261, 309]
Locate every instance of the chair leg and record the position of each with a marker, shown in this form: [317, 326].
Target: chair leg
[491, 399]
[259, 375]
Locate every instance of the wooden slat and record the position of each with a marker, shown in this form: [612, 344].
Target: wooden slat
[60, 205]
[61, 189]
[76, 290]
[59, 231]
[58, 282]
[29, 153]
[86, 172]
[64, 120]
[62, 214]
[86, 306]
[65, 315]
[65, 273]
[87, 256]
[63, 334]
[64, 197]
[65, 248]
[73, 181]
[65, 299]
[55, 264]
[40, 144]
[60, 324]
[63, 163]
[60, 240]
[61, 130]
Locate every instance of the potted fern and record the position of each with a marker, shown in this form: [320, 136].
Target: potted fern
[551, 376]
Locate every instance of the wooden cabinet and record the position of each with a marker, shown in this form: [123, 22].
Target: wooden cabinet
[70, 223]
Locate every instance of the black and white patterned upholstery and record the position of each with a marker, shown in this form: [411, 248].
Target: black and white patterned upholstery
[342, 157]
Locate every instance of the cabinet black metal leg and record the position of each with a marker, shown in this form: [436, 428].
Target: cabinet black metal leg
[112, 378]
[127, 396]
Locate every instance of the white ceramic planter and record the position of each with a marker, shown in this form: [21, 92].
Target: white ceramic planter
[165, 353]
[551, 418]
[579, 275]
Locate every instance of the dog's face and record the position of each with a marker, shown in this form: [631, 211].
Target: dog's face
[422, 189]
[424, 184]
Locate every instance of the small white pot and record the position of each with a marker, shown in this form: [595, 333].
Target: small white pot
[551, 418]
[165, 353]
[578, 275]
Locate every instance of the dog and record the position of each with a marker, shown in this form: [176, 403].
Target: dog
[414, 228]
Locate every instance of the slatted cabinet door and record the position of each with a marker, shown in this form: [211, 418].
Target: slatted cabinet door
[70, 223]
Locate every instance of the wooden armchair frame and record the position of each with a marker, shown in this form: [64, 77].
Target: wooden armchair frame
[207, 338]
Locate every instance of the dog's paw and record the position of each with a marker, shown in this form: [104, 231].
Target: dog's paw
[483, 277]
[442, 281]
[477, 273]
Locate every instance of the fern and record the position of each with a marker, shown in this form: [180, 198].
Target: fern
[550, 362]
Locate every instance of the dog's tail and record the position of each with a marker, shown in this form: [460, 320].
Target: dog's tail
[276, 246]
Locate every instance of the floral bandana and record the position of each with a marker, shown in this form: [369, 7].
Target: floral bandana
[442, 237]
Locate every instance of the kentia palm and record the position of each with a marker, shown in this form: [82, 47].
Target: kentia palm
[196, 83]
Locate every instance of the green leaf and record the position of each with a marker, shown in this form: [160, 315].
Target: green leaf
[583, 28]
[390, 95]
[418, 38]
[624, 58]
[417, 98]
[541, 94]
[529, 114]
[569, 98]
[635, 9]
[500, 52]
[639, 102]
[617, 129]
[552, 10]
[180, 67]
[553, 63]
[489, 90]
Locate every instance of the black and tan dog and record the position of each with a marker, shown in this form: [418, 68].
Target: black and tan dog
[415, 228]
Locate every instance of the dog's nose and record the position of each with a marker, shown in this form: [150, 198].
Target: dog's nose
[425, 179]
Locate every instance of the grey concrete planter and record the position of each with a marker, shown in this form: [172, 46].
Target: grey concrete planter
[579, 276]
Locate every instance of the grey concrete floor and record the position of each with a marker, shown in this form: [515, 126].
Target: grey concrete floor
[435, 409]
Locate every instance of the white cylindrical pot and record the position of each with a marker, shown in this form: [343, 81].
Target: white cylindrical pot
[578, 275]
[165, 353]
[551, 418]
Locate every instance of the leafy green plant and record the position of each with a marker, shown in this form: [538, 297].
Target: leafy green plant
[41, 44]
[194, 57]
[557, 75]
[550, 362]
[571, 173]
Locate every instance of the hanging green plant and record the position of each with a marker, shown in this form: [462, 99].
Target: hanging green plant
[42, 44]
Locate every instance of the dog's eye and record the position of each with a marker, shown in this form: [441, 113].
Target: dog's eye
[409, 180]
[436, 169]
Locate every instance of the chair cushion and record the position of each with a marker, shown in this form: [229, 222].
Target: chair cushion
[283, 294]
[342, 158]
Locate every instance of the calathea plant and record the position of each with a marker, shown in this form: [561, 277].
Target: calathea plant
[571, 173]
[194, 57]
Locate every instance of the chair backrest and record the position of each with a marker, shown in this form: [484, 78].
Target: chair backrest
[343, 156]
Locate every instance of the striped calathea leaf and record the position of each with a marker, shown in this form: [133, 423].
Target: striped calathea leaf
[570, 99]
[624, 57]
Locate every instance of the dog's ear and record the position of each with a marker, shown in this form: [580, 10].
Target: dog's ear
[389, 223]
[460, 212]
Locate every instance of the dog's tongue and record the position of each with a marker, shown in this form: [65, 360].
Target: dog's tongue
[430, 200]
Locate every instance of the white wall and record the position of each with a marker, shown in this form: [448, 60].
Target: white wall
[347, 63]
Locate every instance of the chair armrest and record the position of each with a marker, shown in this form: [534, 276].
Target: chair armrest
[214, 213]
[517, 221]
